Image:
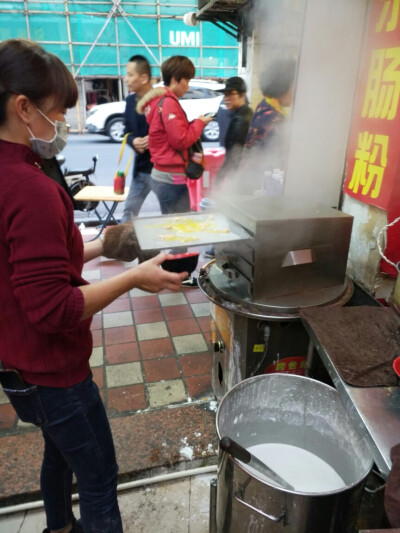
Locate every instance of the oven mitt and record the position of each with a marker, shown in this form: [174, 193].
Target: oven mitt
[120, 243]
[392, 491]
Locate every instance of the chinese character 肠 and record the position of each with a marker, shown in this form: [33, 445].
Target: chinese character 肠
[383, 84]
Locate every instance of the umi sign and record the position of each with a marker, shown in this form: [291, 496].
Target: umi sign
[184, 38]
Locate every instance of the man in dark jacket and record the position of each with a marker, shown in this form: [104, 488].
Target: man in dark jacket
[235, 137]
[138, 76]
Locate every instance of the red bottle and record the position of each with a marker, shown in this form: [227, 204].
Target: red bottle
[119, 183]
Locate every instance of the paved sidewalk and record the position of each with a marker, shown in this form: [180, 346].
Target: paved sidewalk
[152, 361]
[177, 506]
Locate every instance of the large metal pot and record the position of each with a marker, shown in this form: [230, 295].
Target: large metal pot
[297, 411]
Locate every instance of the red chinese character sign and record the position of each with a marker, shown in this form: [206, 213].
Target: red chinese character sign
[373, 159]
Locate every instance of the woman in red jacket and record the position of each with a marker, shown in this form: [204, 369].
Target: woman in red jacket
[170, 134]
[46, 306]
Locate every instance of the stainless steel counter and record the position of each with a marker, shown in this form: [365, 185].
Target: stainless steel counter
[374, 410]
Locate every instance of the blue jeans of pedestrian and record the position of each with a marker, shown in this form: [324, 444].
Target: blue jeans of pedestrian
[78, 441]
[138, 192]
[173, 198]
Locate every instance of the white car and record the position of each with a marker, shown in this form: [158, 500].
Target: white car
[203, 96]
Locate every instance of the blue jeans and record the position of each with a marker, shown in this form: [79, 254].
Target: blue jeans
[138, 191]
[78, 440]
[173, 198]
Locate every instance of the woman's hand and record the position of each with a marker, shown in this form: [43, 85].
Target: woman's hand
[151, 278]
[141, 144]
[148, 276]
[205, 119]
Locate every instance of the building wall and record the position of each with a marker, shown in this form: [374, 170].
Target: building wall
[278, 28]
[364, 257]
[328, 69]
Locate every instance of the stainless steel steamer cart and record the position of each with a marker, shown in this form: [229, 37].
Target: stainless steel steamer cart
[296, 258]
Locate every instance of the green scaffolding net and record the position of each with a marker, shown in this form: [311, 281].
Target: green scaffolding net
[97, 38]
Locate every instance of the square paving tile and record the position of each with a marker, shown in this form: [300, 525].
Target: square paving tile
[200, 503]
[202, 309]
[157, 508]
[105, 260]
[145, 302]
[113, 320]
[178, 311]
[145, 316]
[155, 330]
[121, 304]
[161, 369]
[122, 353]
[204, 323]
[119, 334]
[190, 343]
[208, 337]
[185, 326]
[108, 270]
[97, 321]
[199, 387]
[91, 275]
[97, 336]
[175, 298]
[196, 364]
[128, 398]
[98, 376]
[97, 357]
[196, 296]
[139, 292]
[92, 264]
[156, 348]
[130, 264]
[124, 374]
[168, 291]
[166, 392]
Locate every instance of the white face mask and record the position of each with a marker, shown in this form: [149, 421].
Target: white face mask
[48, 149]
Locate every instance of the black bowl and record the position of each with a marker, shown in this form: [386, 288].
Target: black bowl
[182, 263]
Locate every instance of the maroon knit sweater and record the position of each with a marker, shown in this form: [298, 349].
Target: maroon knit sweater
[41, 260]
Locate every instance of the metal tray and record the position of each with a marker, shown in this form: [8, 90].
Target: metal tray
[167, 231]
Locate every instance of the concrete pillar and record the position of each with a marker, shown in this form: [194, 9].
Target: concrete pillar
[329, 60]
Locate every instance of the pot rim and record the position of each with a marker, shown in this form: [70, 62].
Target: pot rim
[262, 479]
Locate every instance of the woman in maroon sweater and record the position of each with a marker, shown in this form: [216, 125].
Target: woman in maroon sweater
[45, 304]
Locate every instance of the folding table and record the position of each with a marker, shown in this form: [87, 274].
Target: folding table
[104, 194]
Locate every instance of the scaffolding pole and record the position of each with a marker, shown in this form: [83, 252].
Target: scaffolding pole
[138, 35]
[160, 56]
[109, 16]
[26, 11]
[71, 55]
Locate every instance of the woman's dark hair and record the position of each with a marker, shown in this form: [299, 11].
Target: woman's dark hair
[177, 67]
[142, 65]
[26, 68]
[278, 78]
